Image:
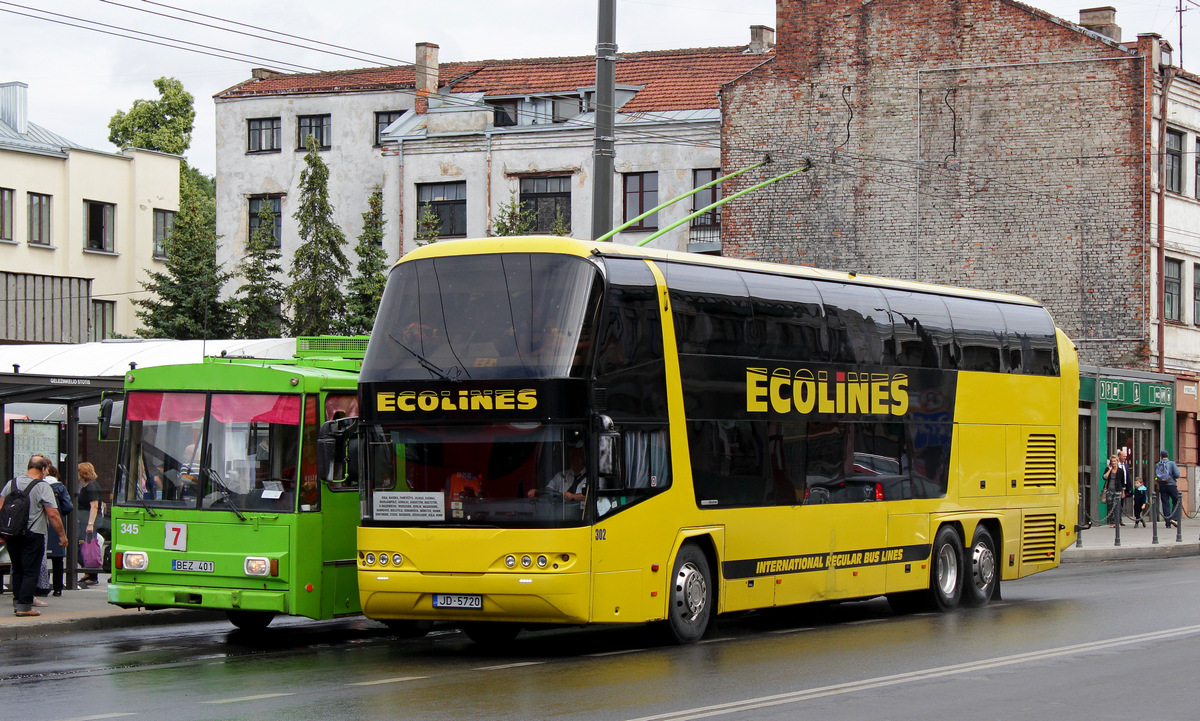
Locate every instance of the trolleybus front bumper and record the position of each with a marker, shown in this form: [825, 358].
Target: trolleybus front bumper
[142, 595]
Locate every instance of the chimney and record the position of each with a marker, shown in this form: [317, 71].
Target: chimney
[264, 73]
[762, 39]
[1102, 21]
[14, 107]
[427, 75]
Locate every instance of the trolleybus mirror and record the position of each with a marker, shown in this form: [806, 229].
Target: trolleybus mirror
[331, 448]
[105, 425]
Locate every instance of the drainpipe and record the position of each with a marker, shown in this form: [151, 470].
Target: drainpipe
[487, 186]
[1161, 256]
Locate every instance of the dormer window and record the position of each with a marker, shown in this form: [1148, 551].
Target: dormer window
[565, 109]
[1166, 54]
[504, 113]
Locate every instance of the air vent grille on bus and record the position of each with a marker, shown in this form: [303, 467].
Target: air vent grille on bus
[1041, 461]
[332, 345]
[1039, 538]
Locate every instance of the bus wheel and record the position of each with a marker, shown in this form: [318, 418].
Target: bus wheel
[982, 577]
[250, 620]
[408, 629]
[946, 573]
[489, 633]
[691, 595]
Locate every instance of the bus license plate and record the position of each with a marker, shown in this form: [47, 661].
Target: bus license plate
[198, 566]
[457, 600]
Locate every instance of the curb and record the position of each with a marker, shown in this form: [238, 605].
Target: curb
[101, 622]
[1165, 549]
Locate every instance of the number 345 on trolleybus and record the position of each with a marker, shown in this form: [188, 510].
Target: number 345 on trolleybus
[567, 432]
[218, 503]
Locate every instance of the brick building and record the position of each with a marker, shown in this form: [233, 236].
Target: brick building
[988, 144]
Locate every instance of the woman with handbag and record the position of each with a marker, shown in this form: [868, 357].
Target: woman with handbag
[89, 504]
[1114, 490]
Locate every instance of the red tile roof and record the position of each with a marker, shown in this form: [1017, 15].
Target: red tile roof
[673, 79]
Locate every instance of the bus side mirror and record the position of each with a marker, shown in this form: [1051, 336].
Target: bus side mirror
[608, 460]
[332, 448]
[105, 425]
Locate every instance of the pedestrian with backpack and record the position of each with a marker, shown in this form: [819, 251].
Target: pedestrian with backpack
[27, 508]
[1166, 473]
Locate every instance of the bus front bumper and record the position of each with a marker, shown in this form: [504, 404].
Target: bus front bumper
[136, 595]
[556, 598]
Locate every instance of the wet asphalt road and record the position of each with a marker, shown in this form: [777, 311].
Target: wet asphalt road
[1112, 640]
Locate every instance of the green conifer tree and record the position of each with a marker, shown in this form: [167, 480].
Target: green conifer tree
[260, 297]
[314, 298]
[429, 225]
[514, 218]
[366, 288]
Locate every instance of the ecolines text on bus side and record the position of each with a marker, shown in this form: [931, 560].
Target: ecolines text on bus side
[802, 391]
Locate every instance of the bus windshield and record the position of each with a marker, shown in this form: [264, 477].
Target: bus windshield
[483, 317]
[496, 475]
[220, 451]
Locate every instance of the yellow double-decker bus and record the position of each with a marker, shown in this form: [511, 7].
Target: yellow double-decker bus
[558, 431]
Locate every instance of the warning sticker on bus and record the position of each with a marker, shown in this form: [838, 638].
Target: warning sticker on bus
[409, 506]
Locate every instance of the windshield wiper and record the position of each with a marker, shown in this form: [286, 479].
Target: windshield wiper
[226, 494]
[426, 364]
[124, 474]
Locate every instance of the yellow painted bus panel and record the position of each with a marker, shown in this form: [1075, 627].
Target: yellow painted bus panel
[981, 460]
[1008, 398]
[911, 529]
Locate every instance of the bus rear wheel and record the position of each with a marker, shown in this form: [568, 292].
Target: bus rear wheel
[946, 572]
[691, 596]
[982, 573]
[250, 620]
[491, 633]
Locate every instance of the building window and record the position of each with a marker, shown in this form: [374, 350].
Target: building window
[565, 109]
[39, 219]
[1196, 294]
[164, 221]
[550, 201]
[1173, 290]
[6, 211]
[263, 135]
[98, 225]
[274, 203]
[104, 316]
[449, 202]
[1174, 170]
[504, 113]
[1197, 176]
[641, 194]
[706, 227]
[316, 126]
[382, 120]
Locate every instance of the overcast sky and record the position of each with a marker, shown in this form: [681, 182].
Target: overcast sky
[79, 77]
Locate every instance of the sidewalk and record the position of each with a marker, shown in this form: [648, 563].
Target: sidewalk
[1098, 542]
[89, 610]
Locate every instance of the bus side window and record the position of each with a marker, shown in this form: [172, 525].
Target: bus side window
[647, 469]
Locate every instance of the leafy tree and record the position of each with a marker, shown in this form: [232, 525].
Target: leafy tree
[260, 297]
[366, 288]
[164, 125]
[429, 225]
[185, 302]
[314, 298]
[514, 218]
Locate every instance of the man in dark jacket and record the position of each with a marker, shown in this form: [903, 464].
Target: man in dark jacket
[1167, 473]
[26, 551]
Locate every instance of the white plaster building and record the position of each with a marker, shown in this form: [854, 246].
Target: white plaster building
[78, 230]
[463, 137]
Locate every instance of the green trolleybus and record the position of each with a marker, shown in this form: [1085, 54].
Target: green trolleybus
[570, 432]
[218, 503]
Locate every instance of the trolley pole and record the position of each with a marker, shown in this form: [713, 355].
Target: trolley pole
[605, 110]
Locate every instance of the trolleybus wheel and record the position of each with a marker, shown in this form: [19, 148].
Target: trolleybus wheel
[981, 572]
[250, 620]
[408, 629]
[491, 633]
[691, 595]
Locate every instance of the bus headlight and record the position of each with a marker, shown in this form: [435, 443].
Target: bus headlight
[396, 559]
[383, 559]
[135, 561]
[526, 561]
[510, 561]
[257, 566]
[542, 561]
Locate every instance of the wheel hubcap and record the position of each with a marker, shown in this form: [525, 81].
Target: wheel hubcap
[947, 571]
[983, 566]
[691, 591]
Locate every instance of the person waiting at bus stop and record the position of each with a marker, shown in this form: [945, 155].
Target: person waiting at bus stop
[572, 482]
[1166, 473]
[1116, 482]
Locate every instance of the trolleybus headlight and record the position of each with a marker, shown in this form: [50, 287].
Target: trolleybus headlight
[541, 561]
[383, 559]
[257, 566]
[135, 561]
[370, 559]
[510, 561]
[396, 559]
[526, 561]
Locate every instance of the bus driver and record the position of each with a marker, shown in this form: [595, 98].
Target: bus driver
[571, 482]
